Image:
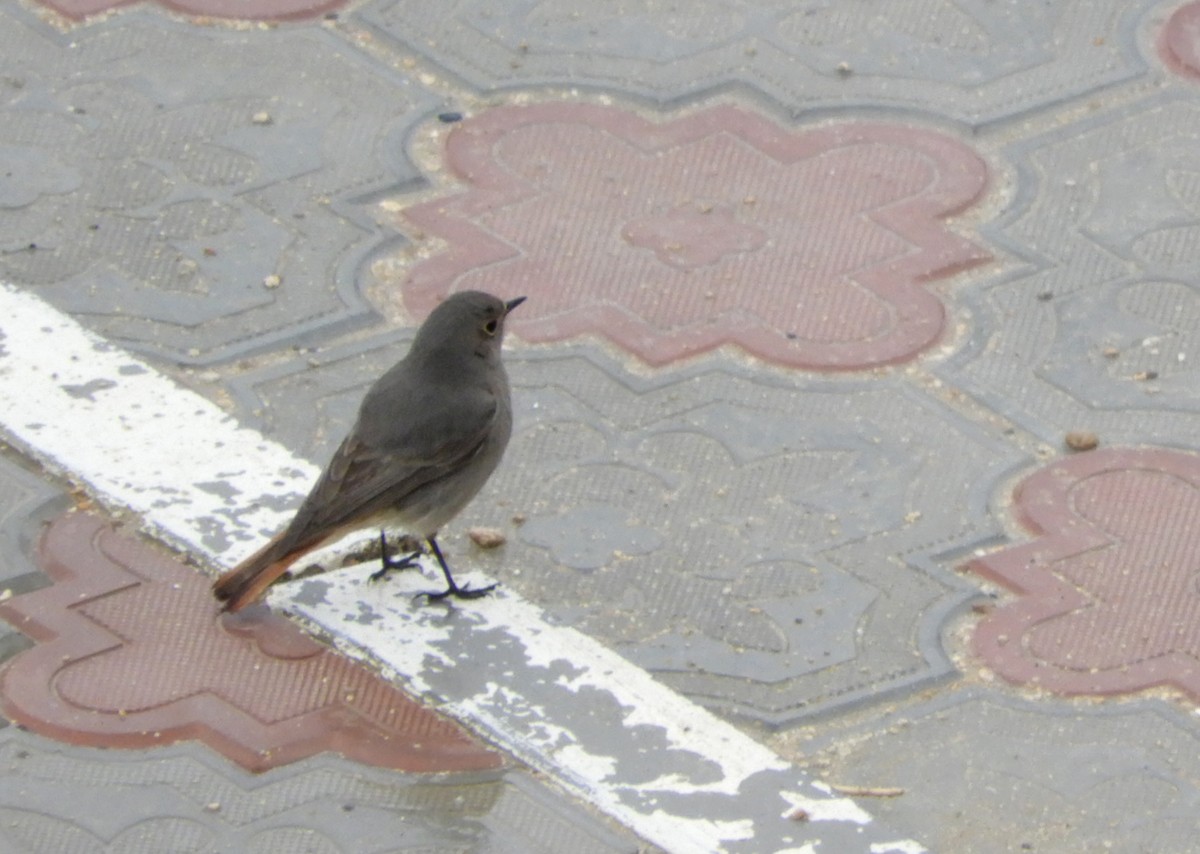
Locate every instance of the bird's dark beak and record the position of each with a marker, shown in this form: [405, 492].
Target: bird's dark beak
[513, 303]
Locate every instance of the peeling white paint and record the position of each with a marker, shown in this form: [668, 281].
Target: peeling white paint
[134, 431]
[598, 768]
[906, 846]
[825, 809]
[676, 783]
[649, 702]
[86, 408]
[727, 831]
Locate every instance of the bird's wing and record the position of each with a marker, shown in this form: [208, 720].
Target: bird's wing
[397, 447]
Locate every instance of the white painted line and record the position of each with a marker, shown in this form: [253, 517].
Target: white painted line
[102, 416]
[603, 728]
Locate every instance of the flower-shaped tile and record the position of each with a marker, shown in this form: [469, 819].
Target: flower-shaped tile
[808, 249]
[1108, 591]
[131, 652]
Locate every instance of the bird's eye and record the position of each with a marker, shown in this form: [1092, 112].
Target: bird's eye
[490, 327]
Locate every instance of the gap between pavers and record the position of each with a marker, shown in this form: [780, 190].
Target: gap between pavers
[603, 728]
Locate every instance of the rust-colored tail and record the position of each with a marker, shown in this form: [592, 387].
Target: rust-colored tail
[247, 581]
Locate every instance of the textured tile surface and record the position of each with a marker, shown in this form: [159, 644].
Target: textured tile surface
[1097, 330]
[131, 652]
[60, 798]
[253, 10]
[1108, 595]
[974, 62]
[990, 774]
[669, 239]
[27, 501]
[165, 174]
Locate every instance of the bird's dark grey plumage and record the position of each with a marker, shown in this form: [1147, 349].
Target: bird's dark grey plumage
[429, 434]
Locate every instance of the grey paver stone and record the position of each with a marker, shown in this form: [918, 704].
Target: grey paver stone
[27, 500]
[198, 193]
[975, 61]
[60, 798]
[1095, 329]
[990, 774]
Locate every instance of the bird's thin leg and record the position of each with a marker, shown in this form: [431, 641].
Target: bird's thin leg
[387, 564]
[452, 589]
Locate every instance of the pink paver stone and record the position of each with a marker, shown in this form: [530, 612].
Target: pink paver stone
[249, 10]
[805, 248]
[1179, 41]
[131, 652]
[1109, 589]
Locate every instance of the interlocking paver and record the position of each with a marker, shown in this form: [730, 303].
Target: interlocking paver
[974, 62]
[1108, 600]
[992, 774]
[197, 193]
[131, 652]
[182, 797]
[669, 239]
[26, 501]
[1096, 328]
[768, 544]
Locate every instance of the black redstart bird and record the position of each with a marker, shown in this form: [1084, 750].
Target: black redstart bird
[429, 434]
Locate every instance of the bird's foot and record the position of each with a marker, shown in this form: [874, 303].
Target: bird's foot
[391, 565]
[388, 564]
[452, 589]
[464, 592]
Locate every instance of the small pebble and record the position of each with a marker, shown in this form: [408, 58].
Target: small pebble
[487, 538]
[272, 281]
[1082, 440]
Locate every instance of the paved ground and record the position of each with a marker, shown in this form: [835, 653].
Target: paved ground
[856, 403]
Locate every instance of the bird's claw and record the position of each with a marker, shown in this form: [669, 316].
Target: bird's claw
[388, 565]
[464, 592]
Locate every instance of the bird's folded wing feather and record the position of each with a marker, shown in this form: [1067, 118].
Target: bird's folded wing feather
[380, 463]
